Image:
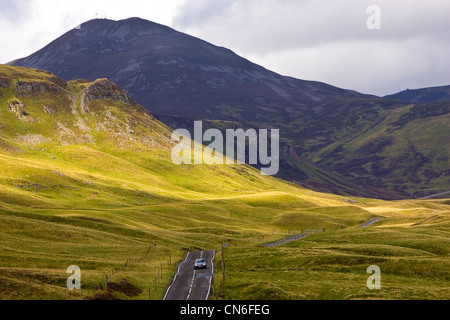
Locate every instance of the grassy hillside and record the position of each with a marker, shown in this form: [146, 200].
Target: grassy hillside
[410, 244]
[423, 94]
[362, 147]
[407, 146]
[333, 140]
[86, 179]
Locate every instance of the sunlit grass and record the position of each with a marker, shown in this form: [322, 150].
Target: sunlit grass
[94, 195]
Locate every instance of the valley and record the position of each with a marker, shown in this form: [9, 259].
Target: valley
[86, 179]
[333, 140]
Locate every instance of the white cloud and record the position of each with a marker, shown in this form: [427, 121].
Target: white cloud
[329, 40]
[308, 39]
[371, 67]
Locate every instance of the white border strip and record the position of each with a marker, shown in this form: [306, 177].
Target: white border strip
[210, 278]
[178, 271]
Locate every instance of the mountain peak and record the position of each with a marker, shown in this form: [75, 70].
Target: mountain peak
[155, 64]
[110, 27]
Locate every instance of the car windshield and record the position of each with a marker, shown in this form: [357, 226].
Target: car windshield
[200, 261]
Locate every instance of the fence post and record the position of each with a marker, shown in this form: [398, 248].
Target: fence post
[223, 262]
[106, 282]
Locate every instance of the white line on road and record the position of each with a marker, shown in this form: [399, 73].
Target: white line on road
[193, 276]
[210, 278]
[178, 270]
[192, 284]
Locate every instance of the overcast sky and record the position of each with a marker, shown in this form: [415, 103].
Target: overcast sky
[323, 40]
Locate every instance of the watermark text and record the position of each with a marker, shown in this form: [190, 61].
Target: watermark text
[263, 148]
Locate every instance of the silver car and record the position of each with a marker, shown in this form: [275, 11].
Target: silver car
[200, 264]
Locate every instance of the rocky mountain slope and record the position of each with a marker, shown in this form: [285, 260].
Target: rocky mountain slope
[333, 140]
[173, 73]
[83, 143]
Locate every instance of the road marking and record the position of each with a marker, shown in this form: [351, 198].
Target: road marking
[173, 281]
[209, 289]
[210, 278]
[194, 276]
[192, 284]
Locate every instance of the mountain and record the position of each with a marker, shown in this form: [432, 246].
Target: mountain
[173, 73]
[434, 94]
[332, 140]
[81, 136]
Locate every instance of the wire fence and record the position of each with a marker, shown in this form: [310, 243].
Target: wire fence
[158, 282]
[155, 286]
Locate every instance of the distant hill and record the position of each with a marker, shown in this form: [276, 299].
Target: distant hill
[332, 139]
[434, 94]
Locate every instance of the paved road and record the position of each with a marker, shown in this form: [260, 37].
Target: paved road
[293, 238]
[435, 195]
[288, 239]
[191, 284]
[369, 223]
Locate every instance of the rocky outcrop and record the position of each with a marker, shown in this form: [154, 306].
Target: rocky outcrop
[32, 139]
[23, 88]
[67, 136]
[44, 118]
[58, 81]
[103, 89]
[18, 108]
[4, 82]
[50, 109]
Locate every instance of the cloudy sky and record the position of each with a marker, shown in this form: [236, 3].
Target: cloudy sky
[323, 40]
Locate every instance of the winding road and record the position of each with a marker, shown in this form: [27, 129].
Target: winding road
[191, 284]
[369, 223]
[288, 239]
[434, 195]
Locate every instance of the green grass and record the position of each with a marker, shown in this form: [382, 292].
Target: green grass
[100, 190]
[332, 265]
